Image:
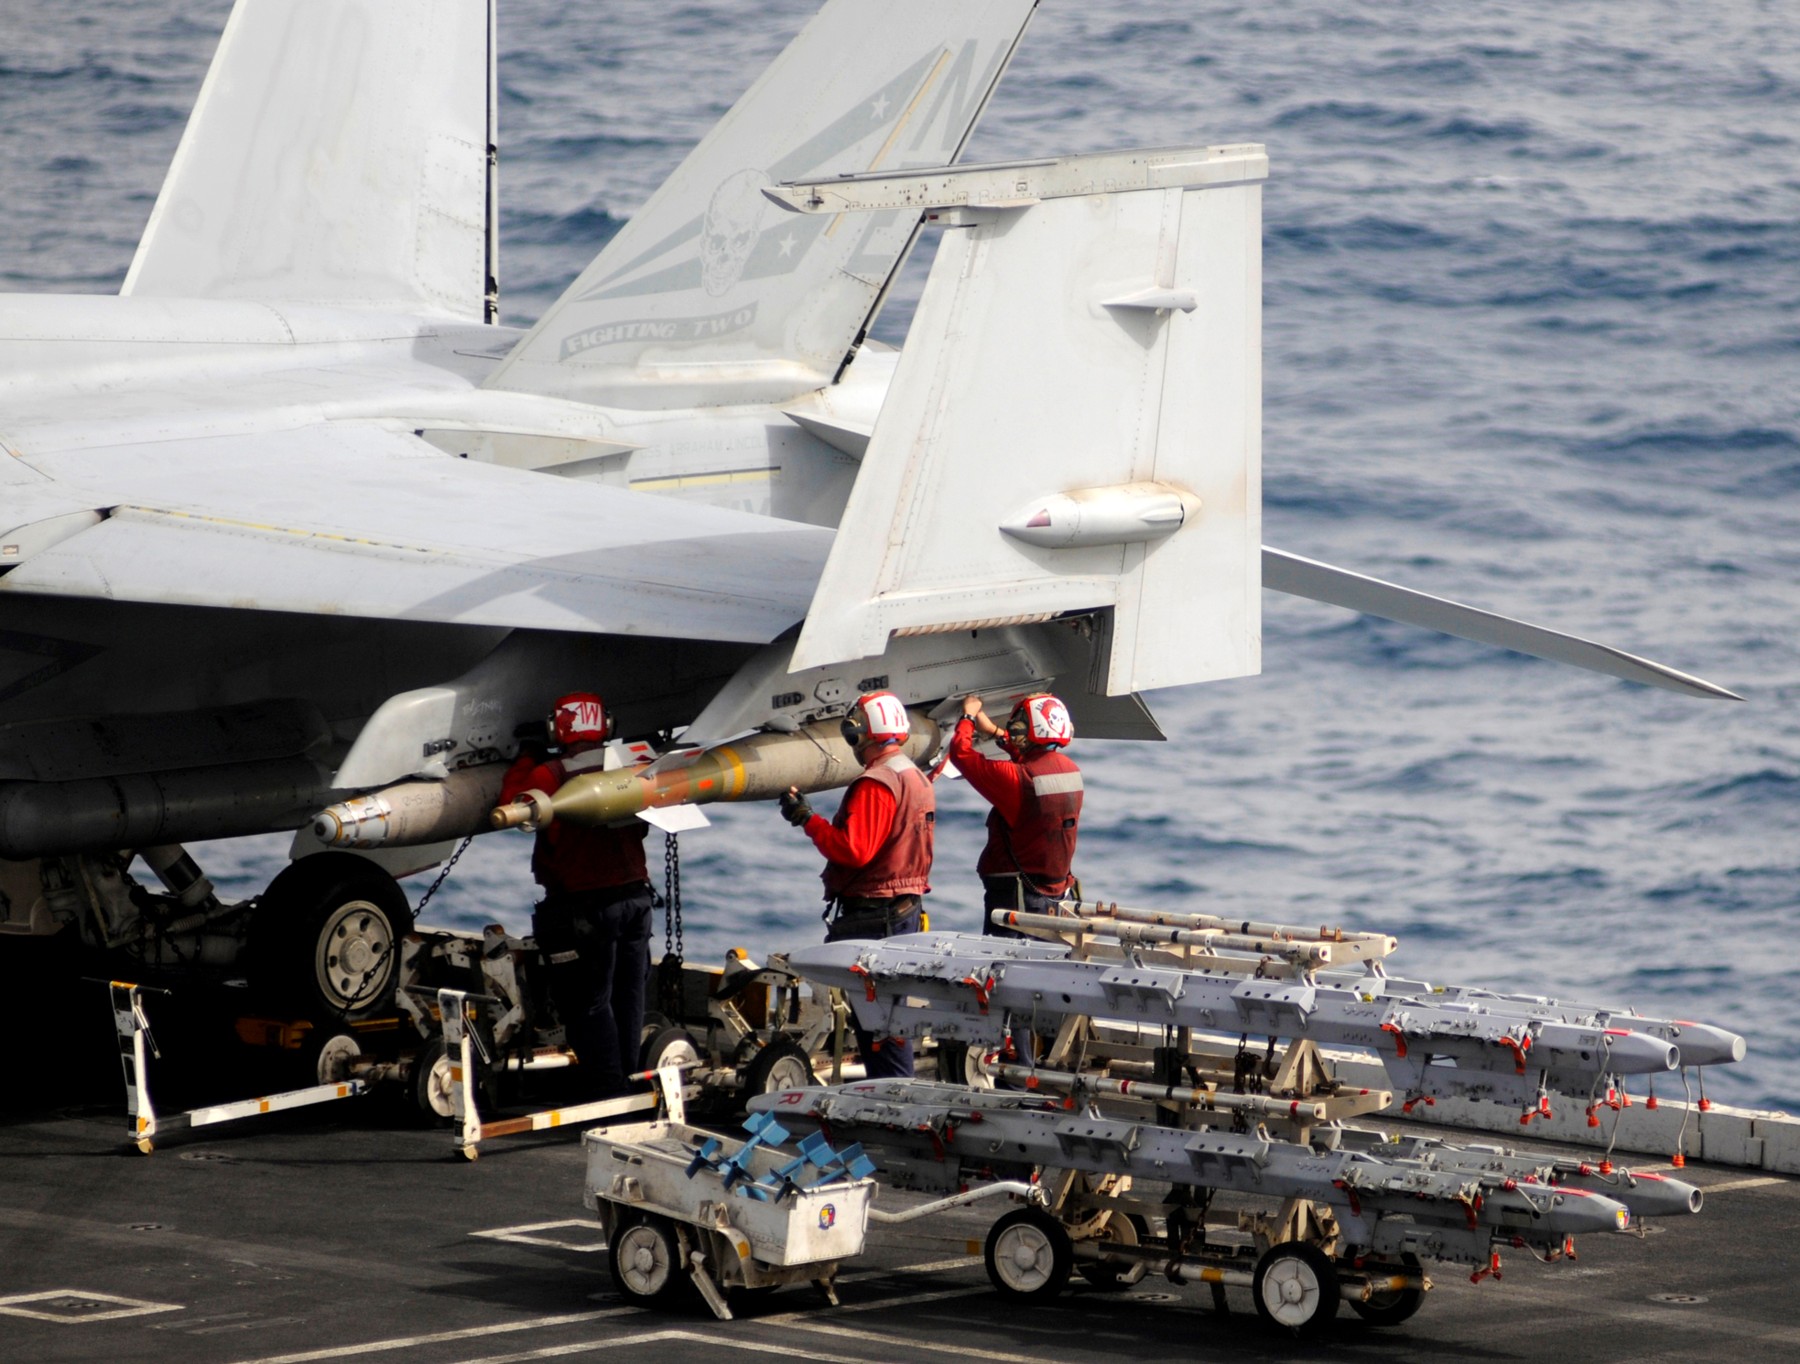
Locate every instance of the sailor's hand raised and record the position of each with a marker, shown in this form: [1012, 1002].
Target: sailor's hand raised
[794, 808]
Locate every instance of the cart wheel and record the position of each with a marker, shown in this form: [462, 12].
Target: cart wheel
[960, 1064]
[332, 1064]
[1029, 1255]
[645, 1258]
[1392, 1308]
[1295, 1287]
[669, 1046]
[1121, 1229]
[431, 1084]
[779, 1066]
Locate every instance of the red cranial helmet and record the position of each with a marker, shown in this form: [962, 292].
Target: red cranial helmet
[1040, 720]
[877, 717]
[581, 718]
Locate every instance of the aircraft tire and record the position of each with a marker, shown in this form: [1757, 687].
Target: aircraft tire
[325, 937]
[1390, 1309]
[1296, 1288]
[1029, 1256]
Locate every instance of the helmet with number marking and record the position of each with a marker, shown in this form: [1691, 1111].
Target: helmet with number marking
[877, 717]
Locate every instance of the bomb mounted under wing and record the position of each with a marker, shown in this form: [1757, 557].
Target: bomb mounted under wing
[295, 520]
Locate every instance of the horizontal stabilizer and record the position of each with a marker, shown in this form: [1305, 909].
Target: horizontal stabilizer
[1300, 577]
[1043, 450]
[378, 524]
[338, 153]
[710, 294]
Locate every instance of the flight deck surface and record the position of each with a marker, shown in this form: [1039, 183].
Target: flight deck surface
[315, 1238]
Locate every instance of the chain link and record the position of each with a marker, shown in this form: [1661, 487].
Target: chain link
[672, 931]
[431, 890]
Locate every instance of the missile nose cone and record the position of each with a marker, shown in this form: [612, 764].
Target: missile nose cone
[823, 957]
[327, 827]
[1571, 1214]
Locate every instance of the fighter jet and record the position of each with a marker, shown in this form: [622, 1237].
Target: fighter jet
[294, 520]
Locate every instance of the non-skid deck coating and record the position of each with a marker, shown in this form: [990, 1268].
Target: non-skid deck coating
[337, 1239]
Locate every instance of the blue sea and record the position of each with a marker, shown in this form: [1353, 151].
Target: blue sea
[1532, 334]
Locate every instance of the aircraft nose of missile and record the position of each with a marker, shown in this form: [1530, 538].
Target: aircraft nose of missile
[825, 957]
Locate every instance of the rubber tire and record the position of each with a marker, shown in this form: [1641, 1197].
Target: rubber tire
[1311, 1272]
[430, 1085]
[668, 1043]
[780, 1066]
[1052, 1256]
[1390, 1309]
[637, 1237]
[329, 893]
[1116, 1278]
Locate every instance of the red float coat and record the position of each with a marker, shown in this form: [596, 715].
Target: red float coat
[879, 844]
[573, 857]
[1037, 806]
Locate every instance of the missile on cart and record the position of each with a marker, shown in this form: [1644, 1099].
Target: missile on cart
[414, 812]
[761, 767]
[969, 988]
[1647, 1194]
[1365, 1189]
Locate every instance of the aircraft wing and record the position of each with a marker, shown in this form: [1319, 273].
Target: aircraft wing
[348, 518]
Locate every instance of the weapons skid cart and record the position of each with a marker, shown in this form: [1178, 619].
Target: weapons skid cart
[683, 1205]
[1143, 1083]
[483, 1016]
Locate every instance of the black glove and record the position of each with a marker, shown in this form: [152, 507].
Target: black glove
[794, 809]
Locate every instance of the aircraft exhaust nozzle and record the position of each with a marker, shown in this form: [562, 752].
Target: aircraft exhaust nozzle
[1637, 1053]
[762, 767]
[413, 812]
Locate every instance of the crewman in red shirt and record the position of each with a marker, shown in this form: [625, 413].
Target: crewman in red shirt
[593, 924]
[877, 848]
[1037, 804]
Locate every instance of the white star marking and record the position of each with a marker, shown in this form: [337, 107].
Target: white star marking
[787, 245]
[879, 108]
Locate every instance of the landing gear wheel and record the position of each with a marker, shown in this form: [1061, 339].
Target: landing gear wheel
[1295, 1287]
[430, 1081]
[644, 1255]
[1121, 1229]
[325, 938]
[1029, 1256]
[1395, 1306]
[781, 1065]
[669, 1046]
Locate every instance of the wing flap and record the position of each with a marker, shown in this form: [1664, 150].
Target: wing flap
[354, 520]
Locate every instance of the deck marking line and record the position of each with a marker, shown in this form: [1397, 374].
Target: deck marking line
[125, 1307]
[651, 1337]
[523, 1234]
[438, 1337]
[1758, 1183]
[911, 1343]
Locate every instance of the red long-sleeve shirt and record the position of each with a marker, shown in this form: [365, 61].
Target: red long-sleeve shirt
[1002, 784]
[868, 820]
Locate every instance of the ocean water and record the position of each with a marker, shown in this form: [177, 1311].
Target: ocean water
[1532, 328]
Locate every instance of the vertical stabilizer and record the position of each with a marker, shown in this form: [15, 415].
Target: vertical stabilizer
[710, 295]
[338, 153]
[1076, 421]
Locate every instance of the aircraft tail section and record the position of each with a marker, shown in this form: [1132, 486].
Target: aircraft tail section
[1075, 424]
[710, 295]
[338, 154]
